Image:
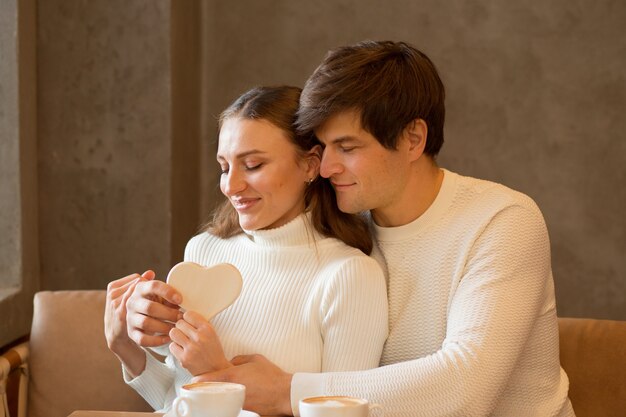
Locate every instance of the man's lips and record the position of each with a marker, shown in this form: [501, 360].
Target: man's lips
[341, 186]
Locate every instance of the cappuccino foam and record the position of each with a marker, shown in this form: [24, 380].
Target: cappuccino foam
[334, 401]
[216, 387]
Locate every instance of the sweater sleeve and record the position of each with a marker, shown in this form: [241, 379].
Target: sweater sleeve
[353, 312]
[490, 317]
[154, 383]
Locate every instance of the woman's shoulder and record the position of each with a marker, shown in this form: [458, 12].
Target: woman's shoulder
[204, 242]
[341, 257]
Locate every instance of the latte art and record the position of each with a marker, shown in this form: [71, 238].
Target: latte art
[336, 406]
[334, 401]
[215, 387]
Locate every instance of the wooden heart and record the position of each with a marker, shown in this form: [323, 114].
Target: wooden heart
[206, 290]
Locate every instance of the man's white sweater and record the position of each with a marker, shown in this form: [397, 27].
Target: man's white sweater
[308, 303]
[472, 317]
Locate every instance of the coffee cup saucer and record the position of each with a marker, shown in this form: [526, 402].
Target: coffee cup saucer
[243, 413]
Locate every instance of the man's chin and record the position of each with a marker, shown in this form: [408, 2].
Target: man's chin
[346, 207]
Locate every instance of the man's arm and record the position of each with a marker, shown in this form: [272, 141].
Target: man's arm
[490, 318]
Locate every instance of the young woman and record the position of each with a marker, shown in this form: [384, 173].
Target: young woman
[312, 300]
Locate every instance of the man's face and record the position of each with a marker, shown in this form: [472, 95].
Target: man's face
[364, 174]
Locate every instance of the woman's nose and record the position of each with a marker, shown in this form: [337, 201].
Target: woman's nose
[330, 164]
[233, 183]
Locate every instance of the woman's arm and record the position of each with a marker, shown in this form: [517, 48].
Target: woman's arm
[353, 313]
[136, 299]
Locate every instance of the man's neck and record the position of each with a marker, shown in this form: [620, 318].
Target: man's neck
[421, 190]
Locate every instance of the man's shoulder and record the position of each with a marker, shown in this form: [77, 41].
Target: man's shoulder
[487, 193]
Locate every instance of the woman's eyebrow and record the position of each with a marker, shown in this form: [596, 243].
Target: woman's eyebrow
[243, 154]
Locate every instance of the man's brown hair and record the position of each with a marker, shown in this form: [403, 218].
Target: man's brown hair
[389, 83]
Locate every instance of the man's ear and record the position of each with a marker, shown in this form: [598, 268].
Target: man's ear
[415, 133]
[313, 160]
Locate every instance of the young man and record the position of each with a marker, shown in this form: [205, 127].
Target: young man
[473, 324]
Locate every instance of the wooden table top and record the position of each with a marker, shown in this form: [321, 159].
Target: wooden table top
[90, 413]
[93, 413]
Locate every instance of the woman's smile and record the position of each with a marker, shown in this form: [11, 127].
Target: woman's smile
[244, 204]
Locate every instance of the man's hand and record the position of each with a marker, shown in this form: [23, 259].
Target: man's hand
[196, 345]
[268, 388]
[152, 310]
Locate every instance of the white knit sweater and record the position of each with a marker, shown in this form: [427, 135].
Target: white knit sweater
[472, 317]
[308, 303]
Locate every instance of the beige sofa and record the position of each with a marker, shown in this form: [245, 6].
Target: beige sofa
[71, 368]
[69, 364]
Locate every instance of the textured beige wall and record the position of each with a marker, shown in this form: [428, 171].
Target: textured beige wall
[536, 93]
[19, 263]
[104, 140]
[536, 96]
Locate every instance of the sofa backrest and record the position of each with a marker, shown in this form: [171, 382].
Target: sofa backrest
[593, 354]
[71, 367]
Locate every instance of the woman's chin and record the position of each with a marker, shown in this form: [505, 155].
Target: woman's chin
[251, 224]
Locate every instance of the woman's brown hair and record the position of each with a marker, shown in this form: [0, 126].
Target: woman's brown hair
[278, 105]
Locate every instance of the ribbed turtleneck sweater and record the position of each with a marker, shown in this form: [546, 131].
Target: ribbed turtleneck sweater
[308, 303]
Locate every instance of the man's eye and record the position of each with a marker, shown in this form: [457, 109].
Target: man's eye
[347, 149]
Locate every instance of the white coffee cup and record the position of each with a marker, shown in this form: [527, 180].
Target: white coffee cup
[336, 406]
[209, 399]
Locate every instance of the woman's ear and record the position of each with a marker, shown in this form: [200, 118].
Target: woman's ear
[416, 133]
[313, 161]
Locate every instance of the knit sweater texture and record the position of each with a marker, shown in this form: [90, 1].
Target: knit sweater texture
[472, 318]
[308, 303]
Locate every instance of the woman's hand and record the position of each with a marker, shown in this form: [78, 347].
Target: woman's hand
[115, 322]
[118, 292]
[196, 345]
[152, 310]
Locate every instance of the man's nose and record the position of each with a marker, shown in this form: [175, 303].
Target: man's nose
[330, 164]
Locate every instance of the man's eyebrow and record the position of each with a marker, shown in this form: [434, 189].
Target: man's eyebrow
[243, 154]
[341, 139]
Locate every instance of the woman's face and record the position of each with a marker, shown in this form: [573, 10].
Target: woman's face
[262, 174]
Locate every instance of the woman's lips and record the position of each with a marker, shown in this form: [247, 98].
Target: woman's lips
[244, 204]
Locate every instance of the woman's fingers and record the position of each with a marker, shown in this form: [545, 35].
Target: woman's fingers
[195, 319]
[148, 318]
[148, 325]
[148, 297]
[148, 275]
[119, 286]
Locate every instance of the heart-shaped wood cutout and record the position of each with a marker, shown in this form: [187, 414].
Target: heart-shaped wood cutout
[206, 290]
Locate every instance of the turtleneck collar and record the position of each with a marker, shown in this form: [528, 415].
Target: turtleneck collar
[297, 232]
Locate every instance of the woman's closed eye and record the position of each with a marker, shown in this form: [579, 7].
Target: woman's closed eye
[248, 167]
[253, 167]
